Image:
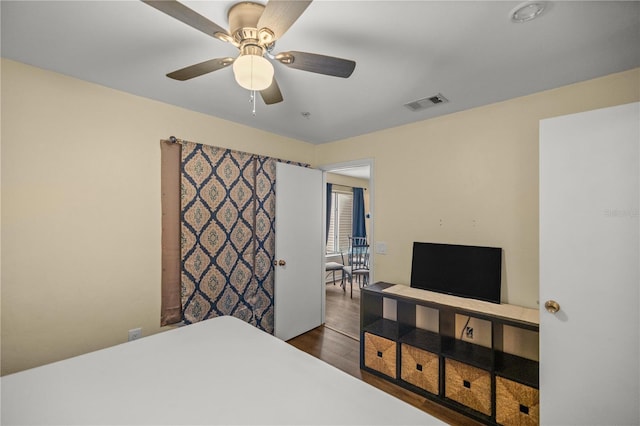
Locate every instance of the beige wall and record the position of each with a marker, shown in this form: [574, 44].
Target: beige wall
[81, 198]
[81, 209]
[470, 178]
[347, 181]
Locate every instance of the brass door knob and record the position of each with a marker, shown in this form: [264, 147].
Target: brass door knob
[281, 262]
[552, 306]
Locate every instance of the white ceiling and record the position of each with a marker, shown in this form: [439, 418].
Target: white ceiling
[468, 51]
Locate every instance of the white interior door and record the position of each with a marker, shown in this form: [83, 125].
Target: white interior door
[589, 264]
[299, 273]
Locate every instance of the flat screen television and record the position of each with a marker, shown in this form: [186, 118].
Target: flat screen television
[466, 271]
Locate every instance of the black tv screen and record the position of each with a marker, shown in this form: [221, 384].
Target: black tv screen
[466, 271]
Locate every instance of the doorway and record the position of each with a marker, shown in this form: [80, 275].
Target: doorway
[341, 306]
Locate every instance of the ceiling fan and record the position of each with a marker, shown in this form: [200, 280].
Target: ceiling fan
[254, 29]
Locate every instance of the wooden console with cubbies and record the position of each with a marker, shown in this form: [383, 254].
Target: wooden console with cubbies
[484, 382]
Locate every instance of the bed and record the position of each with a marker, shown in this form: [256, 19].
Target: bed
[219, 371]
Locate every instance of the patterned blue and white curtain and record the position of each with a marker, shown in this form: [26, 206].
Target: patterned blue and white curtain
[227, 235]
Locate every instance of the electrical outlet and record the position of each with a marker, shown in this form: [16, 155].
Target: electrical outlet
[469, 332]
[135, 333]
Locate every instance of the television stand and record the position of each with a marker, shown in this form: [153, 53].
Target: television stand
[485, 383]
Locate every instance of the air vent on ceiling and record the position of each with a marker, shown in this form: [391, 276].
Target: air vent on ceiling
[426, 102]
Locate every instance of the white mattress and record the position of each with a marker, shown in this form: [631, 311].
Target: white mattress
[219, 371]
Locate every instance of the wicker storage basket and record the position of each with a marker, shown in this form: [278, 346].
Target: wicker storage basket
[420, 368]
[468, 385]
[516, 404]
[380, 354]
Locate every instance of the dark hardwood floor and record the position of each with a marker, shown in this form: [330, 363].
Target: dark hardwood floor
[342, 313]
[337, 344]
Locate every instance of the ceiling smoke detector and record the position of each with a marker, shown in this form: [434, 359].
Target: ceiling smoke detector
[527, 11]
[421, 104]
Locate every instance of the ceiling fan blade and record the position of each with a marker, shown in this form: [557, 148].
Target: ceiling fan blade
[184, 14]
[271, 95]
[279, 15]
[200, 69]
[320, 64]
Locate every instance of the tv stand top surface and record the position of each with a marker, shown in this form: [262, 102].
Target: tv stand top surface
[517, 314]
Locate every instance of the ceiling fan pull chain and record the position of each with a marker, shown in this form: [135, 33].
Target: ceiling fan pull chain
[252, 99]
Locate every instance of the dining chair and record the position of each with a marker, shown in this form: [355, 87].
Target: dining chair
[332, 268]
[357, 265]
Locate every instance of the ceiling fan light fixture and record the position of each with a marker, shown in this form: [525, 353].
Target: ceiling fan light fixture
[254, 28]
[253, 72]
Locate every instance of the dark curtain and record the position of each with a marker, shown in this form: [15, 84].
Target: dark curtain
[359, 229]
[329, 198]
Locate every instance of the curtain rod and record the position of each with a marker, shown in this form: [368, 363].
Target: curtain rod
[173, 139]
[346, 186]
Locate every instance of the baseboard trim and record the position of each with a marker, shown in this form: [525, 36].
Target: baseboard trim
[357, 339]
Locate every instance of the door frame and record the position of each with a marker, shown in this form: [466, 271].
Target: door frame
[330, 167]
